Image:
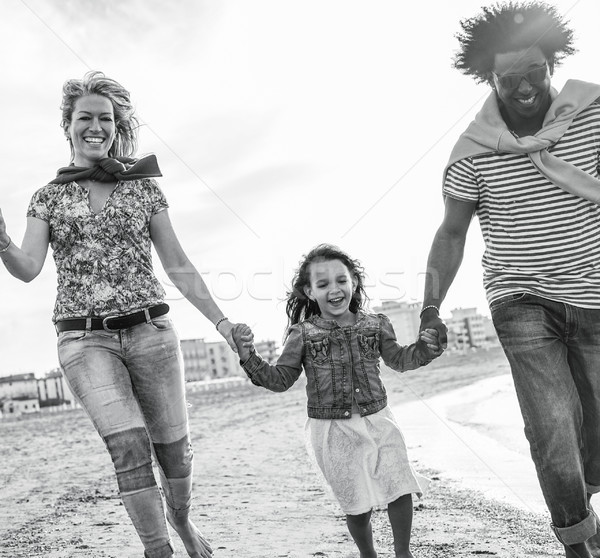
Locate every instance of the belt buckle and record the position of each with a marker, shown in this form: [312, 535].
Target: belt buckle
[105, 327]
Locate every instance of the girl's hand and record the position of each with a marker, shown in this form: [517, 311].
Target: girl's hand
[244, 340]
[430, 338]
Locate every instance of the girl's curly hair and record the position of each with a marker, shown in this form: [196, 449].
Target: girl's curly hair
[511, 27]
[299, 307]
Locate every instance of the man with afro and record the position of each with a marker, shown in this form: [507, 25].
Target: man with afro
[528, 167]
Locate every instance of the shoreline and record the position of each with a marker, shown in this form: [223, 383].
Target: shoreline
[472, 449]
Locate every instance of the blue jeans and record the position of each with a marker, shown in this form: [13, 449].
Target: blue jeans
[554, 353]
[131, 384]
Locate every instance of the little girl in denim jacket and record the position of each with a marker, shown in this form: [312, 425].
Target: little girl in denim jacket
[353, 435]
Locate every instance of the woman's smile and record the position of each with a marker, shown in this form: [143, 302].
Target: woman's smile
[92, 129]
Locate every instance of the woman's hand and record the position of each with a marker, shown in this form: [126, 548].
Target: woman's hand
[4, 238]
[244, 340]
[225, 328]
[25, 263]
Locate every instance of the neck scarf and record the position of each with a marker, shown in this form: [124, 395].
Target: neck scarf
[109, 169]
[488, 133]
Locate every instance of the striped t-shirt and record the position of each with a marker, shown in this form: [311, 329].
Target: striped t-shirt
[538, 238]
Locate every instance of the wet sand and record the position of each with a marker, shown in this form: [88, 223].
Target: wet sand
[256, 493]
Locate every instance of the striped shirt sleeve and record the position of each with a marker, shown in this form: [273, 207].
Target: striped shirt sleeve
[461, 181]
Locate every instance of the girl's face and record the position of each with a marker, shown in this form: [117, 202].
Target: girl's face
[92, 129]
[331, 287]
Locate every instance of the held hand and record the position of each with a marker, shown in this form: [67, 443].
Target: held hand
[225, 328]
[431, 320]
[244, 340]
[429, 337]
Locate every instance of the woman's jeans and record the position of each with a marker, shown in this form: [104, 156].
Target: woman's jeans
[554, 353]
[131, 384]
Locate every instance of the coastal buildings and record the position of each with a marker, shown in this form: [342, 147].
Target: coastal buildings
[203, 361]
[404, 317]
[18, 385]
[222, 361]
[210, 360]
[268, 350]
[24, 393]
[466, 327]
[53, 390]
[18, 394]
[195, 359]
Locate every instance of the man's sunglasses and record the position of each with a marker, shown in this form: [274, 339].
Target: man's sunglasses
[512, 81]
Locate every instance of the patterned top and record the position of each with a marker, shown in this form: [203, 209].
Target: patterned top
[103, 260]
[539, 239]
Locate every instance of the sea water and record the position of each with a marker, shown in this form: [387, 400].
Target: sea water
[474, 435]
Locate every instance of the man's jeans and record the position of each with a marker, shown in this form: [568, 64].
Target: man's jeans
[132, 386]
[554, 353]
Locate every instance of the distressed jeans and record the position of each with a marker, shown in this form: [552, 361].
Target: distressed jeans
[131, 384]
[554, 354]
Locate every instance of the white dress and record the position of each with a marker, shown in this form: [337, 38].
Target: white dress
[363, 460]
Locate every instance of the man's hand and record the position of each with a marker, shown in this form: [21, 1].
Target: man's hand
[430, 319]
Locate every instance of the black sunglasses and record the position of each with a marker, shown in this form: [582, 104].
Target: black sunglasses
[512, 81]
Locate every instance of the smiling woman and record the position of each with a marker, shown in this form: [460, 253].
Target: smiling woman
[92, 129]
[117, 346]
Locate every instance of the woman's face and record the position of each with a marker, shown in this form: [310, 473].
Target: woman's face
[92, 129]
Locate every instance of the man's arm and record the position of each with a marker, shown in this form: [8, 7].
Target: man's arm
[444, 261]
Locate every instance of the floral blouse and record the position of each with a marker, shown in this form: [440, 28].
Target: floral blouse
[103, 260]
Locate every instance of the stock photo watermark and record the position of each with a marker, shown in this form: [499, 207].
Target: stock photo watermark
[272, 284]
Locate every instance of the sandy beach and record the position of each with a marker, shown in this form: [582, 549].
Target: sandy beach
[256, 493]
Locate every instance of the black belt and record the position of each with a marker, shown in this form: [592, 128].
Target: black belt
[112, 323]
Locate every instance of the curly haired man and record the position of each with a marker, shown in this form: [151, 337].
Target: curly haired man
[528, 167]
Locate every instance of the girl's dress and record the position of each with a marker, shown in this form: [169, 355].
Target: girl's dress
[351, 433]
[364, 460]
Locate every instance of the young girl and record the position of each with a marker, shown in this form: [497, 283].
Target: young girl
[354, 437]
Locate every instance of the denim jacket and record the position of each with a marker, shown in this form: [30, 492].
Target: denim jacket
[341, 364]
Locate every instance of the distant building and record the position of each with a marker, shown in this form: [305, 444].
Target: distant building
[267, 350]
[53, 389]
[222, 361]
[467, 328]
[208, 360]
[195, 359]
[18, 395]
[18, 385]
[404, 317]
[16, 406]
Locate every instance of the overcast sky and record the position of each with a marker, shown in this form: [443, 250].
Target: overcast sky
[278, 125]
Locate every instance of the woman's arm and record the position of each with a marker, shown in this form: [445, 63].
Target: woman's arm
[183, 274]
[25, 263]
